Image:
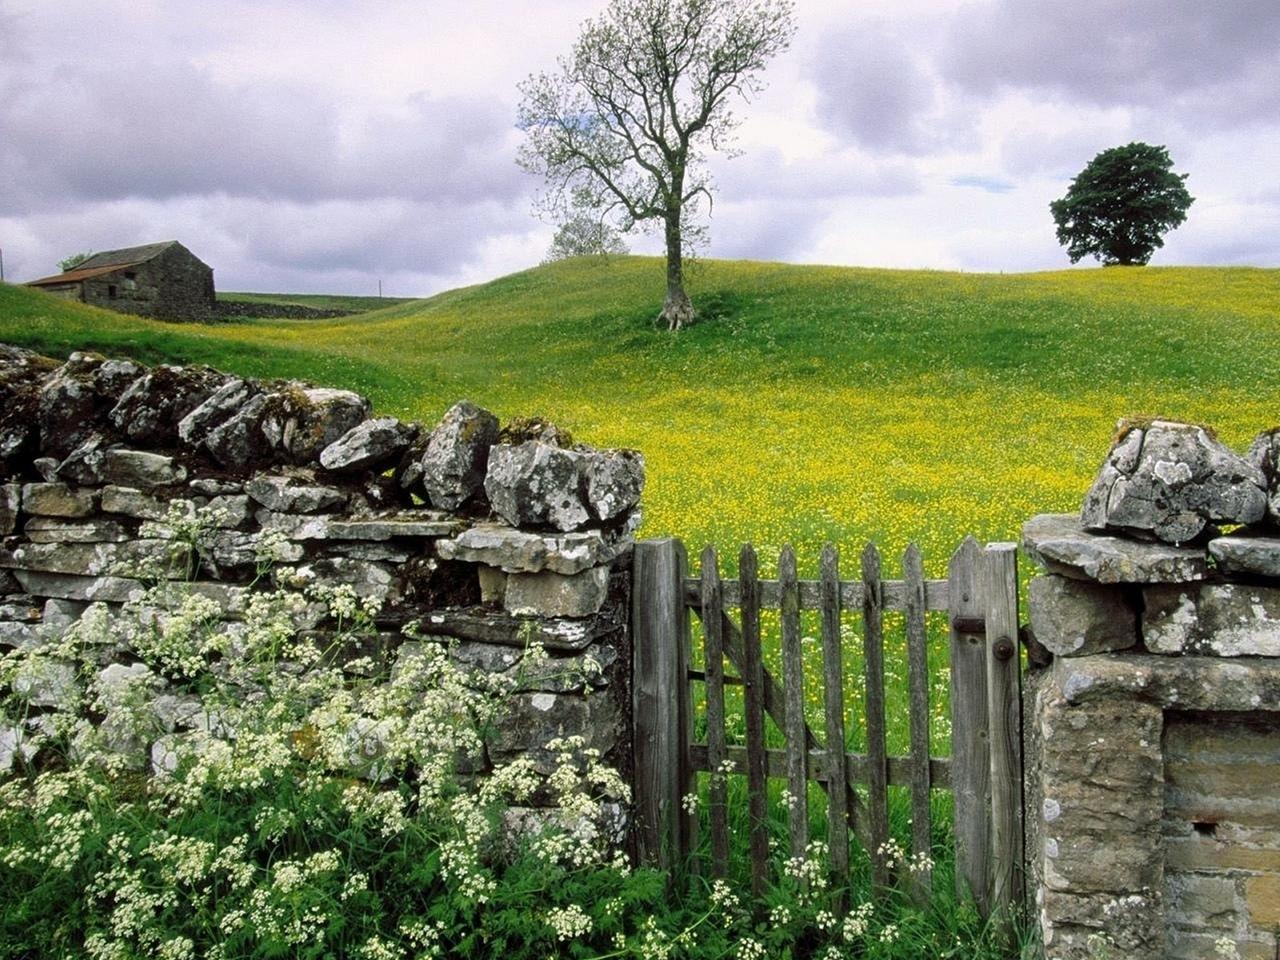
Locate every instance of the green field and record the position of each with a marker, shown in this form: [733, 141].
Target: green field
[810, 402]
[318, 301]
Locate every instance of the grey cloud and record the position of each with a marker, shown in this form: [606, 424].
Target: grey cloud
[167, 129]
[1213, 62]
[872, 89]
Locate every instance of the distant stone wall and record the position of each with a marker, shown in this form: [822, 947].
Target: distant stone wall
[276, 311]
[1153, 719]
[493, 539]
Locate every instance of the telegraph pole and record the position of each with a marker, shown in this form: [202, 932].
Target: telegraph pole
[1, 264]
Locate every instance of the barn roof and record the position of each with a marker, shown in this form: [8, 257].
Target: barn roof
[126, 257]
[108, 261]
[72, 276]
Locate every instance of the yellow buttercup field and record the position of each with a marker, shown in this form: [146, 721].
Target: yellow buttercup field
[809, 403]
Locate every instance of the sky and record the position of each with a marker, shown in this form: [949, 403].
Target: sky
[329, 145]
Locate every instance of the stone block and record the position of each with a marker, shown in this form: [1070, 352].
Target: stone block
[219, 407]
[1076, 618]
[54, 530]
[1061, 545]
[1262, 894]
[141, 469]
[97, 559]
[299, 421]
[10, 503]
[131, 502]
[366, 578]
[1201, 901]
[47, 683]
[294, 493]
[452, 468]
[614, 480]
[423, 524]
[549, 594]
[1250, 554]
[1170, 480]
[525, 551]
[493, 583]
[534, 719]
[58, 500]
[486, 625]
[1225, 619]
[536, 485]
[371, 445]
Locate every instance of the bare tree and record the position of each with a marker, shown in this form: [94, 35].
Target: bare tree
[583, 235]
[622, 126]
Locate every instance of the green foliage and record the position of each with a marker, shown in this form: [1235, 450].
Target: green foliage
[325, 815]
[1121, 205]
[73, 261]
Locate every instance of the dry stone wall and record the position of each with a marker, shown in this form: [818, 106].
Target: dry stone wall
[493, 540]
[1153, 721]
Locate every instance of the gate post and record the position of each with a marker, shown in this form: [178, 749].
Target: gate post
[661, 703]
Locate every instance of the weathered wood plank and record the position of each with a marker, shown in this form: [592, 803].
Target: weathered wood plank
[793, 695]
[713, 651]
[838, 809]
[894, 594]
[901, 769]
[918, 687]
[752, 670]
[873, 660]
[661, 702]
[775, 707]
[970, 757]
[1004, 721]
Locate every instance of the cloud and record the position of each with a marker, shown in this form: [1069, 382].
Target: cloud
[168, 129]
[766, 173]
[873, 90]
[1166, 55]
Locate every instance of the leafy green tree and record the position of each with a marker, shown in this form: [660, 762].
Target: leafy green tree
[1120, 206]
[74, 261]
[622, 126]
[582, 236]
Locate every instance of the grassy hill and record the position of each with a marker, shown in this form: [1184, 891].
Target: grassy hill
[318, 301]
[810, 402]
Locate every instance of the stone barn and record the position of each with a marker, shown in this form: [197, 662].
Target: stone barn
[161, 280]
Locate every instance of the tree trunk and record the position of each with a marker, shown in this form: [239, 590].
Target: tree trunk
[677, 309]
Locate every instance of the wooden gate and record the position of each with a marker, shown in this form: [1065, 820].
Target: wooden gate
[984, 771]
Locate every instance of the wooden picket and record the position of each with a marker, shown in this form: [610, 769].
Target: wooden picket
[984, 769]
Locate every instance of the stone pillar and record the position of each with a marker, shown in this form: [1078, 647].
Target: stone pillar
[1153, 821]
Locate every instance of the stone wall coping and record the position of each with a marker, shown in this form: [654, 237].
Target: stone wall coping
[1059, 543]
[1188, 682]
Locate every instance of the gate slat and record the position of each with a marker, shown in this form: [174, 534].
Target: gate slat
[970, 758]
[776, 708]
[713, 651]
[839, 811]
[753, 681]
[918, 686]
[793, 694]
[873, 659]
[1004, 714]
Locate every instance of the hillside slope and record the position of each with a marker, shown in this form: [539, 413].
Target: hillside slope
[810, 402]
